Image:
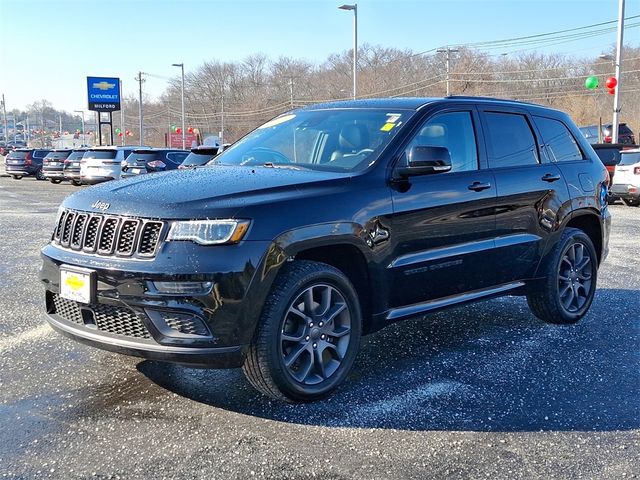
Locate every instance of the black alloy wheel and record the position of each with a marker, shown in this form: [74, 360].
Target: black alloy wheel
[308, 335]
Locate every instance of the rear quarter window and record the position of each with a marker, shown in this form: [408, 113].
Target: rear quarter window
[558, 140]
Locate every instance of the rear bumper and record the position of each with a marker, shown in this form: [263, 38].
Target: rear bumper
[53, 173]
[93, 180]
[625, 191]
[19, 170]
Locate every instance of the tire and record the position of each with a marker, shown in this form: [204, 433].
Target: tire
[331, 337]
[556, 299]
[55, 180]
[40, 175]
[631, 202]
[17, 177]
[76, 183]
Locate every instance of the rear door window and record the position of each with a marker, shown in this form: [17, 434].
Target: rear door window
[510, 140]
[40, 153]
[558, 141]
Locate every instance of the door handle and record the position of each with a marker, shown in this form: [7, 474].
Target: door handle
[549, 177]
[479, 186]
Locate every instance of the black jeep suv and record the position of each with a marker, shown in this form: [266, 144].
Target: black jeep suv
[327, 223]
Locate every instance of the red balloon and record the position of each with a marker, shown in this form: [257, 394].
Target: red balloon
[611, 82]
[612, 91]
[119, 134]
[190, 130]
[178, 130]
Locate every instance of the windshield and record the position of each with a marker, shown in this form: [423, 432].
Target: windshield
[340, 140]
[629, 158]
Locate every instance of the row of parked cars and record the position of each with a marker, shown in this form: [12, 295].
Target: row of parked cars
[86, 166]
[623, 164]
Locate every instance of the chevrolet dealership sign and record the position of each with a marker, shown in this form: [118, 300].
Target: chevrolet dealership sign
[103, 94]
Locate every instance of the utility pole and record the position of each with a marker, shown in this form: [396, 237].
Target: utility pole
[616, 98]
[140, 80]
[448, 51]
[124, 135]
[222, 116]
[291, 90]
[4, 113]
[28, 136]
[60, 128]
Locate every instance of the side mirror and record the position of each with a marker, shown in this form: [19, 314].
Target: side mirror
[426, 161]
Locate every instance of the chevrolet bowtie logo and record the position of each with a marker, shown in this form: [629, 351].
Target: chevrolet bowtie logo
[104, 85]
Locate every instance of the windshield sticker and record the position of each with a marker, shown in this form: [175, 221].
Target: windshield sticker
[387, 127]
[393, 117]
[277, 121]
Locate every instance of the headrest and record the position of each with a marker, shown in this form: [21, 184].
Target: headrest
[354, 137]
[436, 130]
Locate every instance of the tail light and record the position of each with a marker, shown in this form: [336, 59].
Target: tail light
[156, 164]
[27, 159]
[636, 171]
[608, 178]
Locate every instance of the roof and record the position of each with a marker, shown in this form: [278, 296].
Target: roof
[410, 103]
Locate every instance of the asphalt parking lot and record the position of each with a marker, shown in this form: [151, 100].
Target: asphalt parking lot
[484, 391]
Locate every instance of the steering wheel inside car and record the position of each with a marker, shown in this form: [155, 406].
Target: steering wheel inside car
[262, 155]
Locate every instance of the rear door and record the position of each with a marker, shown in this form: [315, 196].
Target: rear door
[530, 191]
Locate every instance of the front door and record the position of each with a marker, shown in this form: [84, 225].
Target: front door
[443, 223]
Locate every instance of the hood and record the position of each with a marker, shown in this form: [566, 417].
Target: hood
[215, 191]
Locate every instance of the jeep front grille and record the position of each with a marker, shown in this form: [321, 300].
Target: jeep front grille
[107, 234]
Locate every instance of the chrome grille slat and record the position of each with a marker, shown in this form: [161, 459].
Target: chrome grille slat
[108, 235]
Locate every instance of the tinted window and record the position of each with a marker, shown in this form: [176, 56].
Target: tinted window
[454, 131]
[197, 158]
[40, 153]
[100, 154]
[57, 155]
[608, 156]
[560, 144]
[75, 155]
[141, 157]
[624, 129]
[177, 157]
[17, 155]
[629, 158]
[510, 141]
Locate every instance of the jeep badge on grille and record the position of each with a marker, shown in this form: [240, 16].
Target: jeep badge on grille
[100, 205]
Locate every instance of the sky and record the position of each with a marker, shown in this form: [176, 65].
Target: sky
[49, 47]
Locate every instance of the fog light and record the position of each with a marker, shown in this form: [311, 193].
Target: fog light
[183, 288]
[179, 325]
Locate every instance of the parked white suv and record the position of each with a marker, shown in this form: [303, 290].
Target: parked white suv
[101, 164]
[626, 180]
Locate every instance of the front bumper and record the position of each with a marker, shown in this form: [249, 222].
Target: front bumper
[627, 191]
[127, 315]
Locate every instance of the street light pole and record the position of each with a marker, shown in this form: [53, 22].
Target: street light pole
[616, 98]
[184, 141]
[354, 7]
[81, 112]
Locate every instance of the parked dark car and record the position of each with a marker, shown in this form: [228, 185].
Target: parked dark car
[71, 167]
[152, 160]
[327, 223]
[625, 134]
[23, 162]
[199, 156]
[53, 165]
[11, 146]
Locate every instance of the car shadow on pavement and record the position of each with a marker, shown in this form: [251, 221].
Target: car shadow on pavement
[491, 366]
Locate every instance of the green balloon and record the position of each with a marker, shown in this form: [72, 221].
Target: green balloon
[118, 130]
[591, 82]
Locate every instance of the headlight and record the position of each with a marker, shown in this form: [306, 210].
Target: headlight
[209, 232]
